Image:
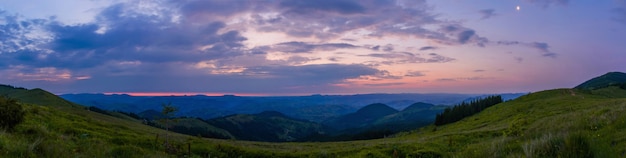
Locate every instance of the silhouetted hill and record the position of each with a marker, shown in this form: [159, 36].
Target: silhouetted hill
[416, 115]
[361, 118]
[268, 126]
[606, 80]
[34, 96]
[418, 106]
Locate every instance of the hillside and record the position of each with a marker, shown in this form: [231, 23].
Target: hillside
[361, 118]
[606, 80]
[34, 96]
[61, 129]
[269, 126]
[416, 115]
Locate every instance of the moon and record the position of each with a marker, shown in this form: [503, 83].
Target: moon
[517, 8]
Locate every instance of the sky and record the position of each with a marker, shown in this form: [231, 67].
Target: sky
[303, 47]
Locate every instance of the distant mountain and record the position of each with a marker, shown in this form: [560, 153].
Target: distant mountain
[606, 80]
[270, 126]
[34, 96]
[361, 118]
[418, 106]
[315, 108]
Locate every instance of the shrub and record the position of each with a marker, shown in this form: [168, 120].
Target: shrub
[11, 113]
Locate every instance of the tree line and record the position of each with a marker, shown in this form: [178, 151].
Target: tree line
[465, 109]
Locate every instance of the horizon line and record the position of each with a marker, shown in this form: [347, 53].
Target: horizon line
[216, 94]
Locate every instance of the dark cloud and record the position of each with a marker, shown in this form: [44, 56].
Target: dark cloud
[388, 48]
[479, 70]
[303, 47]
[457, 34]
[463, 79]
[195, 44]
[313, 7]
[414, 74]
[544, 48]
[159, 77]
[519, 59]
[310, 74]
[428, 48]
[446, 80]
[487, 13]
[436, 58]
[131, 37]
[327, 19]
[406, 57]
[465, 36]
[298, 60]
[385, 84]
[212, 9]
[376, 48]
[508, 43]
[16, 33]
[619, 12]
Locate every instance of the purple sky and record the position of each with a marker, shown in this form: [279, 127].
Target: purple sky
[289, 47]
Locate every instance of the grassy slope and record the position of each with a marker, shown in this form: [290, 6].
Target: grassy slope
[571, 119]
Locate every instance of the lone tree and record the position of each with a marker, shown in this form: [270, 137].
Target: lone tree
[11, 113]
[168, 112]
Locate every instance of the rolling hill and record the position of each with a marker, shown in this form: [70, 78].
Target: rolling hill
[268, 126]
[361, 118]
[606, 80]
[416, 115]
[34, 96]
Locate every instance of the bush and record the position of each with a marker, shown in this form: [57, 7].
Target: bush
[11, 113]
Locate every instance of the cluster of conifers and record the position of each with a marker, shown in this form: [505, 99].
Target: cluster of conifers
[465, 109]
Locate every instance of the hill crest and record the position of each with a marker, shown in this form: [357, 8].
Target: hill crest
[606, 80]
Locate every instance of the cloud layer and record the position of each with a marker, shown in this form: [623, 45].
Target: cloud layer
[213, 45]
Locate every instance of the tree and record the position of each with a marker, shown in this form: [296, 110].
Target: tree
[168, 111]
[458, 112]
[11, 113]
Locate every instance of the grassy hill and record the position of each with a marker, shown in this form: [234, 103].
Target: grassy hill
[270, 126]
[606, 80]
[552, 123]
[416, 115]
[34, 96]
[361, 118]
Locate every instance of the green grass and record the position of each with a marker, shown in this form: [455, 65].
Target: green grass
[553, 123]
